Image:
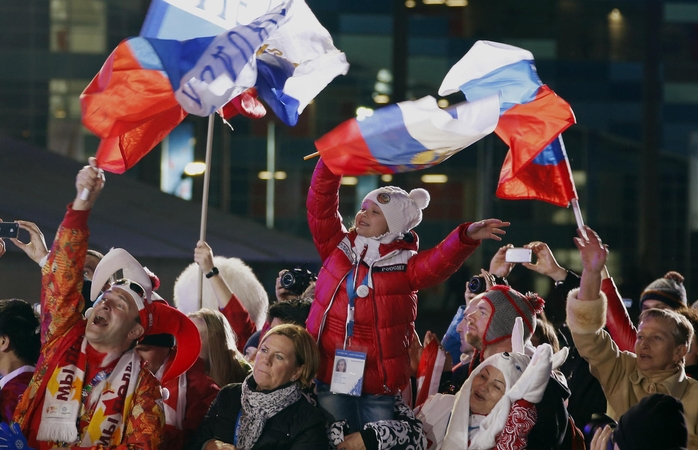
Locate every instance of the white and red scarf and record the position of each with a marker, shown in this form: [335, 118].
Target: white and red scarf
[174, 396]
[109, 400]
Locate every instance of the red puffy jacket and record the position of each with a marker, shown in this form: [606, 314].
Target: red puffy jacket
[384, 320]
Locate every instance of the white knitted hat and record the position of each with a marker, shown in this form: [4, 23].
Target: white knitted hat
[402, 211]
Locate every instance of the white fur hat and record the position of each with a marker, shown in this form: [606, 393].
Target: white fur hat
[241, 280]
[402, 211]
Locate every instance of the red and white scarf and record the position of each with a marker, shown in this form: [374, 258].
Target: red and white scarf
[111, 399]
[174, 395]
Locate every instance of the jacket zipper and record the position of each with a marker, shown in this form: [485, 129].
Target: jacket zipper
[381, 369]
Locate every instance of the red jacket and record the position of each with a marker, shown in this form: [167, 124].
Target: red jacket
[618, 322]
[384, 320]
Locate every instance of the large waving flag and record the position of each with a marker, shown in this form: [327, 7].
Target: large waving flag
[296, 62]
[148, 85]
[407, 136]
[532, 118]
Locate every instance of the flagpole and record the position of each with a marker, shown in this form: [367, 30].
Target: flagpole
[204, 197]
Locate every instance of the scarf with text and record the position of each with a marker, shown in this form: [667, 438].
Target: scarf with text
[105, 398]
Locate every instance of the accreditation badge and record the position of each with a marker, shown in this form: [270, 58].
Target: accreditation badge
[348, 372]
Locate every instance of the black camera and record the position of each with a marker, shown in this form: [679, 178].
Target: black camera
[477, 284]
[297, 280]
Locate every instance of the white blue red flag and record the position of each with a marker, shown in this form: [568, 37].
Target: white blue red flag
[148, 85]
[532, 119]
[296, 62]
[407, 136]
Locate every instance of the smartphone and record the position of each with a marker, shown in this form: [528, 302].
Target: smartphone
[518, 255]
[9, 229]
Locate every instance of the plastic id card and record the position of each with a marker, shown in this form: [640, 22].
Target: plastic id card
[348, 372]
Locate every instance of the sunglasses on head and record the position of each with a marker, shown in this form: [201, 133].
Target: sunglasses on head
[132, 285]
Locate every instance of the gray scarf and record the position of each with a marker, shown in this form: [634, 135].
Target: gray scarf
[258, 407]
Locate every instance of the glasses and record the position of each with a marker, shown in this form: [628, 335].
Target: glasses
[132, 285]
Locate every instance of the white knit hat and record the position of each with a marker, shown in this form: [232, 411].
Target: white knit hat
[402, 211]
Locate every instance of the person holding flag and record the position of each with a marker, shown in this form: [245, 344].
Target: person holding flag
[90, 389]
[366, 294]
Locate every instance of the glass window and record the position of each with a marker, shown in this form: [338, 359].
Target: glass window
[78, 26]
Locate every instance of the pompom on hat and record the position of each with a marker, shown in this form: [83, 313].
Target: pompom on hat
[156, 316]
[402, 210]
[668, 289]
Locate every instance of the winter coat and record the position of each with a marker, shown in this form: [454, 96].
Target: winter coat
[624, 384]
[300, 426]
[384, 319]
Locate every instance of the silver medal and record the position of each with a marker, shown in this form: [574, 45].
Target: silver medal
[362, 291]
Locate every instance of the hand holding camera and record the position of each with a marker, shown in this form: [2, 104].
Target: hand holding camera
[293, 283]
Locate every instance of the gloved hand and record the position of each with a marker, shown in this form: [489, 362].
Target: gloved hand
[11, 437]
[534, 380]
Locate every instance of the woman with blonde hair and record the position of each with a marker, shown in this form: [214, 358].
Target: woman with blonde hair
[268, 410]
[224, 362]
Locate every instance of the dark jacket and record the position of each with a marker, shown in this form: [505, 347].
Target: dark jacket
[299, 426]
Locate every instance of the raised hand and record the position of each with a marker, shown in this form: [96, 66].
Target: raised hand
[499, 265]
[487, 229]
[203, 256]
[592, 251]
[88, 183]
[36, 247]
[545, 264]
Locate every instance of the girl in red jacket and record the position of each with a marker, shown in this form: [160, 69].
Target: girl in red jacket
[366, 293]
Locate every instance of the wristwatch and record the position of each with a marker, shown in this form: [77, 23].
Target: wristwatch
[213, 272]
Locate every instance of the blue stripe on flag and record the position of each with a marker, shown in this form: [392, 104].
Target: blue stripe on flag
[272, 73]
[551, 155]
[144, 52]
[387, 137]
[517, 83]
[177, 57]
[165, 21]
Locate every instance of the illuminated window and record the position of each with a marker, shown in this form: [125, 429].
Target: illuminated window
[78, 26]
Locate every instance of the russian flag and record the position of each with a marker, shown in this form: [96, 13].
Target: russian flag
[532, 115]
[548, 177]
[297, 61]
[148, 85]
[406, 136]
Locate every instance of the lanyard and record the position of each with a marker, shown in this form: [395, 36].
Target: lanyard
[351, 293]
[237, 428]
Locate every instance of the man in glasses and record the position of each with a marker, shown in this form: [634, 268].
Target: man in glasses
[90, 389]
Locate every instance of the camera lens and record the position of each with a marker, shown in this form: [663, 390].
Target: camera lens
[477, 285]
[288, 280]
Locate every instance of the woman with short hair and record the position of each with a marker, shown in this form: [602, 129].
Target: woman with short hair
[268, 410]
[657, 363]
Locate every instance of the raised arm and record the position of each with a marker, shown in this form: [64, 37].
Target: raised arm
[228, 303]
[61, 299]
[593, 254]
[324, 220]
[430, 267]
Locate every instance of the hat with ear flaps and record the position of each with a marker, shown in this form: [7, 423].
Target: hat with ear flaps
[156, 316]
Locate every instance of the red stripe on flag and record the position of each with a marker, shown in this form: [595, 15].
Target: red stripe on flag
[130, 108]
[345, 152]
[549, 183]
[528, 128]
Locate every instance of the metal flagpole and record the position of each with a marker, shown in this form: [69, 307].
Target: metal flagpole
[204, 197]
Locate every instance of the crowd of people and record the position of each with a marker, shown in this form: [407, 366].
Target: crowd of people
[102, 361]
